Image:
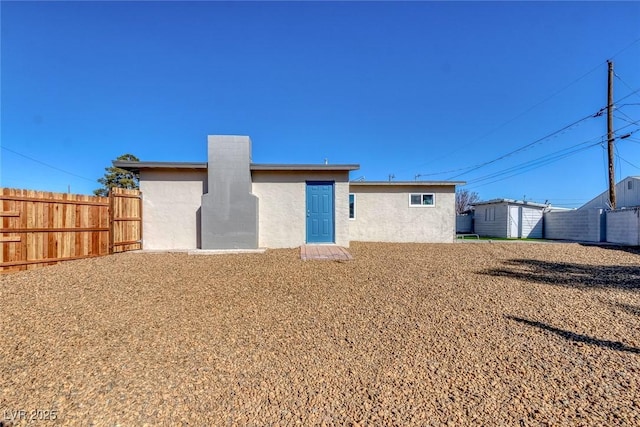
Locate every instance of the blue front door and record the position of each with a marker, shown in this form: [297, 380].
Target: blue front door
[320, 212]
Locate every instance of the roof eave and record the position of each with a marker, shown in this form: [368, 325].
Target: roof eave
[137, 166]
[407, 183]
[303, 167]
[510, 202]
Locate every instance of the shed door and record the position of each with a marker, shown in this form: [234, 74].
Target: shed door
[514, 221]
[320, 213]
[531, 223]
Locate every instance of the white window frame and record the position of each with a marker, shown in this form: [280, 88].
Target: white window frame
[354, 206]
[433, 196]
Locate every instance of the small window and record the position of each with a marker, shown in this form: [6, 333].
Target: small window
[421, 199]
[352, 206]
[490, 214]
[629, 185]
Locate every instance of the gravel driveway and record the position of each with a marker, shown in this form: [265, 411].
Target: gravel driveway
[485, 334]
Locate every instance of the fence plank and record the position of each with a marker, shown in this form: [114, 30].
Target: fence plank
[40, 228]
[126, 220]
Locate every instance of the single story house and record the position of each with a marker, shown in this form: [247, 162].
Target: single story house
[509, 218]
[231, 203]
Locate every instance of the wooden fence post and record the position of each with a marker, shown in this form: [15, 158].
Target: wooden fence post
[111, 221]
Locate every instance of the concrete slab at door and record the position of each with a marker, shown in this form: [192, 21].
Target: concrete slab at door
[320, 212]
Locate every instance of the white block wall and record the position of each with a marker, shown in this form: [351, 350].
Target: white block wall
[623, 226]
[383, 214]
[282, 209]
[464, 223]
[171, 207]
[579, 225]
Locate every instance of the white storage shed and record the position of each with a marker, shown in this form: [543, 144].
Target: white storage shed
[509, 218]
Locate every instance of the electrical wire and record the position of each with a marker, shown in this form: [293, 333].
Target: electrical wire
[627, 96]
[617, 155]
[525, 171]
[533, 164]
[47, 164]
[625, 48]
[605, 163]
[537, 141]
[623, 82]
[477, 166]
[542, 161]
[525, 111]
[626, 120]
[522, 114]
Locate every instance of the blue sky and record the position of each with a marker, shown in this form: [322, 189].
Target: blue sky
[440, 90]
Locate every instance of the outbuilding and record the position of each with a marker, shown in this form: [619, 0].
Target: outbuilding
[509, 218]
[627, 196]
[231, 203]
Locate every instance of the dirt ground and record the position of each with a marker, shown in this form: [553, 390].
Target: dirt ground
[405, 334]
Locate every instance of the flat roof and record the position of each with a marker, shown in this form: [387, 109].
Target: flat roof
[406, 183]
[137, 166]
[302, 167]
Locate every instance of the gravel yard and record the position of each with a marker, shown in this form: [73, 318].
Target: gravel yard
[458, 334]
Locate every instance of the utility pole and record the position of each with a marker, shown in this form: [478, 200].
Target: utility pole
[610, 138]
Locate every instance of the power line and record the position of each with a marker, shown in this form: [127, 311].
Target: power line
[47, 164]
[533, 164]
[529, 169]
[541, 161]
[626, 119]
[627, 96]
[605, 164]
[480, 165]
[623, 82]
[537, 141]
[626, 47]
[523, 113]
[477, 166]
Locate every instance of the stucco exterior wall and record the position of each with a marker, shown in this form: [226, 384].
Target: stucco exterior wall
[282, 206]
[171, 208]
[383, 214]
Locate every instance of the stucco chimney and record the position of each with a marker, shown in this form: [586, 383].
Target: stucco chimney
[229, 213]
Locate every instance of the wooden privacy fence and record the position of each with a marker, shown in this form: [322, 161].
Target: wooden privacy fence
[40, 228]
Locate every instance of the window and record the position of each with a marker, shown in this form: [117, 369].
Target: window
[490, 214]
[352, 206]
[629, 185]
[422, 199]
